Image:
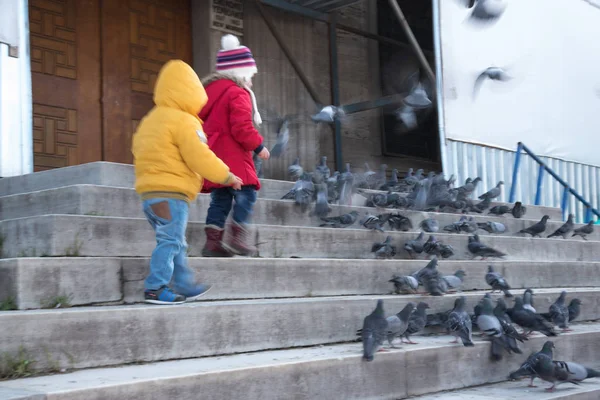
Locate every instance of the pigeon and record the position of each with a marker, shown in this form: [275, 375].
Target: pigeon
[537, 228]
[459, 323]
[327, 114]
[346, 184]
[469, 226]
[417, 98]
[322, 171]
[488, 10]
[432, 246]
[455, 227]
[465, 192]
[578, 372]
[529, 320]
[407, 116]
[375, 199]
[500, 210]
[332, 187]
[455, 281]
[283, 137]
[374, 331]
[584, 230]
[404, 284]
[397, 324]
[445, 250]
[416, 322]
[295, 171]
[510, 332]
[399, 222]
[370, 176]
[373, 223]
[392, 182]
[574, 309]
[435, 284]
[341, 221]
[415, 245]
[322, 204]
[565, 229]
[384, 249]
[428, 270]
[497, 282]
[494, 74]
[491, 328]
[528, 368]
[559, 312]
[518, 210]
[476, 248]
[430, 225]
[302, 193]
[492, 227]
[528, 300]
[493, 193]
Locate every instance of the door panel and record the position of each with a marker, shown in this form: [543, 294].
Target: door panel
[65, 55]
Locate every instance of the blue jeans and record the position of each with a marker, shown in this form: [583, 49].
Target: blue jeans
[222, 200]
[169, 258]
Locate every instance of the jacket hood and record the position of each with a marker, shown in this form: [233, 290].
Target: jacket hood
[178, 86]
[225, 82]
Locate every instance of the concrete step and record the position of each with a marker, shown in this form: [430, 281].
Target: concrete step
[83, 337]
[74, 235]
[102, 173]
[324, 372]
[589, 390]
[123, 202]
[37, 282]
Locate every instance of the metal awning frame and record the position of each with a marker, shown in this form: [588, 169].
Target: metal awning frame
[330, 17]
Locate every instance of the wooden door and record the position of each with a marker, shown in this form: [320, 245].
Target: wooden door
[138, 37]
[94, 64]
[65, 65]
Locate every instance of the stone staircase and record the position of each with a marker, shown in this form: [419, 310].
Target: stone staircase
[273, 327]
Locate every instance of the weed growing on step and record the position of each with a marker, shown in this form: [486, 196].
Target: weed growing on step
[75, 249]
[8, 304]
[16, 366]
[62, 301]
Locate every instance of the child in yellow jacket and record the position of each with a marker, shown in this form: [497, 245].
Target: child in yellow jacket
[171, 159]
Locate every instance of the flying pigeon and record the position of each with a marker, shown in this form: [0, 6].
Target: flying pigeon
[327, 114]
[492, 73]
[488, 10]
[283, 137]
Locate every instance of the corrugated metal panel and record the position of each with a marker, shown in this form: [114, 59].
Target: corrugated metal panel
[492, 165]
[323, 5]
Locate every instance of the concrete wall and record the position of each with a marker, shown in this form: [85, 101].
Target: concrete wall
[280, 92]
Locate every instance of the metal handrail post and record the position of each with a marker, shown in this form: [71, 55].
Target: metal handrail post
[540, 181]
[565, 201]
[513, 186]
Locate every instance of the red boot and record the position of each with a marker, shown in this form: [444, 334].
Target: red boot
[236, 242]
[213, 246]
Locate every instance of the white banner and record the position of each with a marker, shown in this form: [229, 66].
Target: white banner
[227, 16]
[551, 51]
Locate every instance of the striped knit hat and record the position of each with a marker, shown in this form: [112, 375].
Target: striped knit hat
[234, 59]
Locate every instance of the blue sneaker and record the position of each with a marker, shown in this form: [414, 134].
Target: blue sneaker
[164, 295]
[195, 291]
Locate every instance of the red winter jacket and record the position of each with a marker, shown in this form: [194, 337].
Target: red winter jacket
[229, 127]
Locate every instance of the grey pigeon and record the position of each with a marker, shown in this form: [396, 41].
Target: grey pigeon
[322, 204]
[469, 226]
[488, 10]
[428, 270]
[432, 246]
[435, 284]
[407, 116]
[417, 322]
[500, 210]
[493, 193]
[459, 323]
[322, 171]
[399, 222]
[455, 281]
[574, 309]
[374, 331]
[559, 312]
[537, 228]
[497, 282]
[392, 182]
[476, 248]
[465, 192]
[283, 137]
[481, 206]
[455, 227]
[397, 324]
[404, 284]
[384, 249]
[510, 332]
[565, 229]
[445, 250]
[341, 221]
[346, 186]
[492, 226]
[528, 300]
[332, 187]
[430, 225]
[327, 114]
[584, 230]
[492, 73]
[417, 98]
[528, 368]
[578, 372]
[302, 193]
[491, 328]
[295, 170]
[372, 222]
[415, 245]
[529, 320]
[518, 210]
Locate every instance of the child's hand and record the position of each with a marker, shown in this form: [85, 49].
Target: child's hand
[264, 154]
[235, 182]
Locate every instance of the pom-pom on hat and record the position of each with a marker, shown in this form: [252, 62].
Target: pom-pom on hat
[234, 59]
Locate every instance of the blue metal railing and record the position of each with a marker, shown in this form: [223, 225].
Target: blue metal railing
[589, 210]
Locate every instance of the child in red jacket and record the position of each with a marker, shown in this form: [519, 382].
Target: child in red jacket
[230, 121]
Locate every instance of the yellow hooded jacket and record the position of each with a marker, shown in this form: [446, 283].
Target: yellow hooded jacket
[169, 147]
